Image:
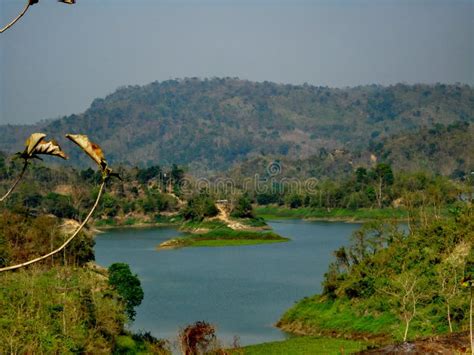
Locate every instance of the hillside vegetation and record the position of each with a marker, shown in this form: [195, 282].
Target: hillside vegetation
[441, 150]
[211, 124]
[446, 150]
[393, 284]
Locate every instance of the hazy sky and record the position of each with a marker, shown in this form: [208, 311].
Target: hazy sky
[58, 58]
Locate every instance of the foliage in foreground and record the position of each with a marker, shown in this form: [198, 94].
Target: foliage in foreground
[197, 338]
[395, 284]
[24, 237]
[61, 310]
[61, 305]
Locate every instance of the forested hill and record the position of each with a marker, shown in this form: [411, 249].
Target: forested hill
[444, 150]
[215, 123]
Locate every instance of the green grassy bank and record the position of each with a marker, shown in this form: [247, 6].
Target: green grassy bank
[314, 315]
[305, 346]
[223, 236]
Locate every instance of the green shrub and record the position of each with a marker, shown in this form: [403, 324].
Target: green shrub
[128, 287]
[243, 208]
[199, 207]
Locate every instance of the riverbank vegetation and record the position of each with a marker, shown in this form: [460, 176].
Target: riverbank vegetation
[158, 195]
[393, 284]
[223, 236]
[337, 214]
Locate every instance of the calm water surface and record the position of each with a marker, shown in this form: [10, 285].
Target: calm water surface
[242, 290]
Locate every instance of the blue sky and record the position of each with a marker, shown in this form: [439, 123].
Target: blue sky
[58, 58]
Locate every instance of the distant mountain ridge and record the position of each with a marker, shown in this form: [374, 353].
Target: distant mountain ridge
[211, 124]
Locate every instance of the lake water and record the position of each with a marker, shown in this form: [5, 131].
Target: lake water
[242, 290]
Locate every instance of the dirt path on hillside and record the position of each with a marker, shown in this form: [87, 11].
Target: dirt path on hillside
[224, 216]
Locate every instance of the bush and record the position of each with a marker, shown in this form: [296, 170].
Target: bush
[243, 208]
[128, 287]
[59, 205]
[200, 207]
[4, 252]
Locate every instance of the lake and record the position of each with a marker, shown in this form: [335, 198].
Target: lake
[242, 290]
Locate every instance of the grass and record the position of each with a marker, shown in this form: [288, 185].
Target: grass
[109, 222]
[193, 225]
[59, 311]
[253, 222]
[224, 236]
[362, 214]
[313, 315]
[305, 345]
[233, 242]
[131, 344]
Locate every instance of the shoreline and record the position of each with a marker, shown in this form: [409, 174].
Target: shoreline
[282, 214]
[332, 219]
[102, 229]
[335, 215]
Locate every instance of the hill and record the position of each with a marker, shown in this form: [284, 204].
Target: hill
[443, 150]
[212, 124]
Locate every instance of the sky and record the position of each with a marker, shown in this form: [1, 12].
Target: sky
[59, 57]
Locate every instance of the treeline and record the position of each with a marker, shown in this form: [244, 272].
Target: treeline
[378, 187]
[68, 193]
[142, 195]
[155, 194]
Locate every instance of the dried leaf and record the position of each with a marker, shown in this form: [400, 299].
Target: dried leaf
[49, 148]
[32, 142]
[91, 149]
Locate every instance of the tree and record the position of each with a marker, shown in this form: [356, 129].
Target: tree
[383, 176]
[295, 201]
[145, 175]
[371, 238]
[243, 208]
[449, 272]
[200, 207]
[59, 205]
[405, 293]
[177, 176]
[128, 287]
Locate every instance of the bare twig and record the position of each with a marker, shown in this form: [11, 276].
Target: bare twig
[16, 181]
[27, 6]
